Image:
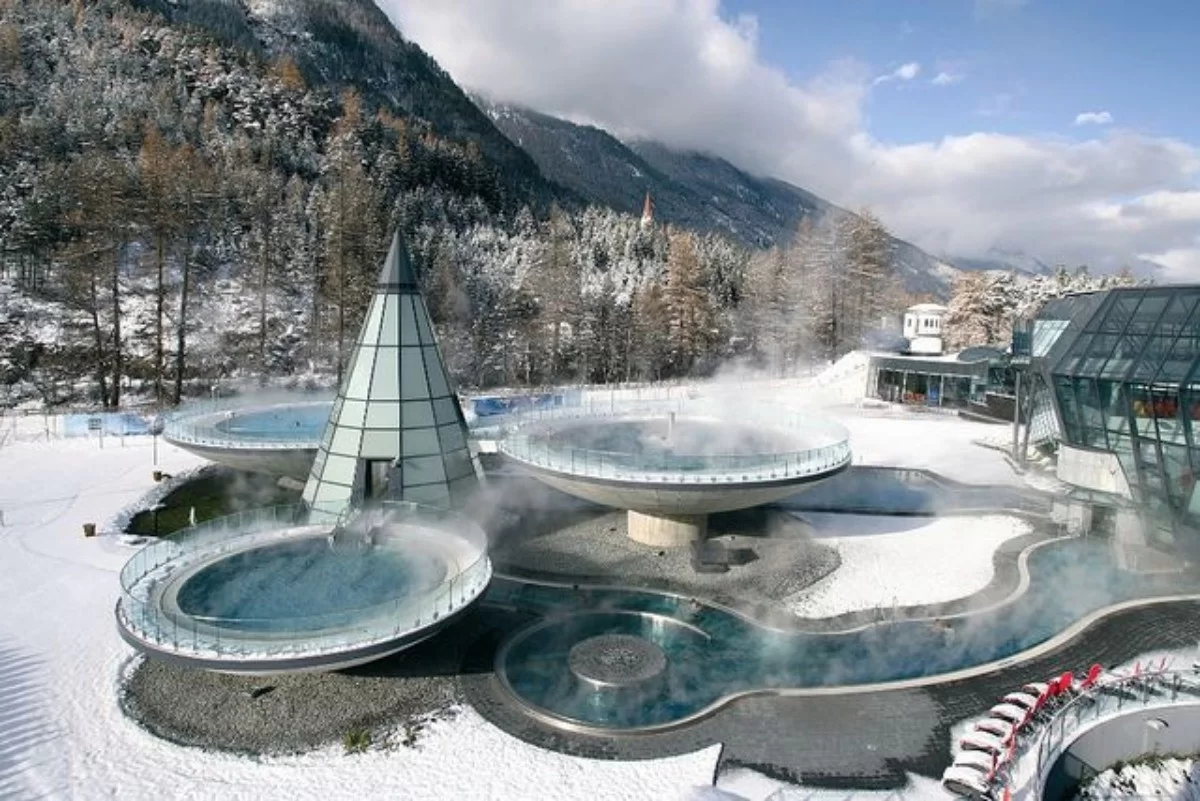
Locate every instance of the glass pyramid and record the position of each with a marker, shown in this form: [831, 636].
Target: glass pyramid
[396, 431]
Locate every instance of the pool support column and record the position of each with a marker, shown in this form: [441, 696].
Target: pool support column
[666, 531]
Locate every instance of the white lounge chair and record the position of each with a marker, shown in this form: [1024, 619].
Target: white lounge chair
[981, 761]
[1010, 712]
[1001, 728]
[965, 782]
[982, 741]
[1023, 700]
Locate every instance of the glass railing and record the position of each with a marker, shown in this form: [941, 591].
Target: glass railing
[526, 440]
[268, 425]
[140, 612]
[1110, 697]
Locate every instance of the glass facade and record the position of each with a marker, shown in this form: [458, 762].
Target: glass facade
[1123, 372]
[396, 430]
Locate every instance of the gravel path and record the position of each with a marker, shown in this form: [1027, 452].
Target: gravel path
[390, 698]
[541, 533]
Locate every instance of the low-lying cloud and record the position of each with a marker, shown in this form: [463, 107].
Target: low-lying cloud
[679, 72]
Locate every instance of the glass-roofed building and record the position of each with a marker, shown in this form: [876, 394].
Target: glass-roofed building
[1114, 378]
[396, 431]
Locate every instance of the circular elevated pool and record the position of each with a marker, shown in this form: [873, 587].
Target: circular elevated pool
[666, 443]
[306, 584]
[299, 422]
[289, 589]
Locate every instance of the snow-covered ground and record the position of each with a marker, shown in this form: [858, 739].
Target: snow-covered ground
[1176, 779]
[903, 561]
[945, 444]
[738, 784]
[64, 736]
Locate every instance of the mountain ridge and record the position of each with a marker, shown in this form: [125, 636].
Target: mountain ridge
[689, 188]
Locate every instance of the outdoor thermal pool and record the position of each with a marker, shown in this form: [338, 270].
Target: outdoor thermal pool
[712, 654]
[284, 588]
[299, 422]
[309, 583]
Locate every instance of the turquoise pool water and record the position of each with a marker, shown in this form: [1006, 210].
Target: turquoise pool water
[1069, 580]
[684, 445]
[303, 422]
[304, 585]
[887, 490]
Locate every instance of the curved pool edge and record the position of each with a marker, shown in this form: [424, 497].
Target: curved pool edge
[1023, 582]
[1045, 647]
[312, 663]
[573, 726]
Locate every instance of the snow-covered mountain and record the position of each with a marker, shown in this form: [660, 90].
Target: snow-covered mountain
[1023, 263]
[689, 189]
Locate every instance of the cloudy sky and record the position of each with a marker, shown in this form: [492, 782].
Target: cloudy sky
[1064, 129]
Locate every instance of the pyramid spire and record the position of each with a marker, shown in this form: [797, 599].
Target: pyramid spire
[397, 269]
[396, 431]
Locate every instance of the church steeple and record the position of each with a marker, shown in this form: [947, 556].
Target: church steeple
[648, 211]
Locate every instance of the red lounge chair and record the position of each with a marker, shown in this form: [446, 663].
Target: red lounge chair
[1093, 675]
[1065, 681]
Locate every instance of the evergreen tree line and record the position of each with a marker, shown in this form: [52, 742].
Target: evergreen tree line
[173, 211]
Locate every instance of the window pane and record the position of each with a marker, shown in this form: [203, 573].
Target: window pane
[420, 441]
[408, 322]
[418, 414]
[383, 415]
[386, 383]
[412, 375]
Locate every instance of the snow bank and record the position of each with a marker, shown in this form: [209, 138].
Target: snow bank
[743, 784]
[844, 381]
[1177, 779]
[903, 561]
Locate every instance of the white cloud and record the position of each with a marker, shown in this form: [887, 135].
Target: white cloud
[946, 78]
[905, 72]
[676, 71]
[1093, 118]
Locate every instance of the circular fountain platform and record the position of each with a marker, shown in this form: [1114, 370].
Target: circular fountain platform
[616, 660]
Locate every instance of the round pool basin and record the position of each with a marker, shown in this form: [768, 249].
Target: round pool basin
[307, 584]
[299, 422]
[291, 589]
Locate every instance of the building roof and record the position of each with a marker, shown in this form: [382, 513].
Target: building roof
[928, 308]
[1146, 335]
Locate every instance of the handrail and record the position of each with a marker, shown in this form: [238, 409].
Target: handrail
[196, 424]
[1057, 735]
[524, 439]
[144, 617]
